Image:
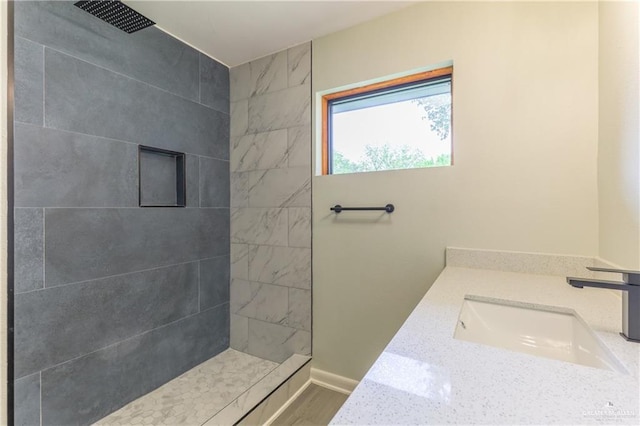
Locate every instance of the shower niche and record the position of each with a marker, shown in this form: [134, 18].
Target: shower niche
[161, 177]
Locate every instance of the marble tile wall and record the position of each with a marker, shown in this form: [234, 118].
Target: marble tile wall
[113, 300]
[270, 165]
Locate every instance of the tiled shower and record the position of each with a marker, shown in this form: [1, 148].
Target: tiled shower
[112, 300]
[271, 205]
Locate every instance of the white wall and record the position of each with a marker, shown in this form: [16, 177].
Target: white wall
[525, 111]
[619, 134]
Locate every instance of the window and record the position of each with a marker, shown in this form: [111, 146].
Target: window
[403, 123]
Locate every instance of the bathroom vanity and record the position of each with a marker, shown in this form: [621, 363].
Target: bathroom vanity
[426, 376]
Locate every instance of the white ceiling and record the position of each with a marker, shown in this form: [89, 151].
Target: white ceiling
[235, 32]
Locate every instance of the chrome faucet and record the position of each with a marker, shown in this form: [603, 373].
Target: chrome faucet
[630, 286]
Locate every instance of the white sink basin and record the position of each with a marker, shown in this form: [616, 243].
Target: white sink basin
[545, 331]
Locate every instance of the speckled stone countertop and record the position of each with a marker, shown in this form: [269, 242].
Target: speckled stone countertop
[425, 376]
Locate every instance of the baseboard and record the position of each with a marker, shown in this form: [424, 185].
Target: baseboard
[287, 404]
[321, 378]
[333, 381]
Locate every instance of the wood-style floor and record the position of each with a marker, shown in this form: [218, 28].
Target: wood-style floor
[315, 406]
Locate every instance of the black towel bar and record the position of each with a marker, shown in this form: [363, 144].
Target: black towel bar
[389, 208]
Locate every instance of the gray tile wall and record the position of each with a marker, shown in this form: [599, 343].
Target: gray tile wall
[112, 300]
[270, 164]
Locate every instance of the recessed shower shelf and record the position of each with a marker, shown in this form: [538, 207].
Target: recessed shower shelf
[161, 175]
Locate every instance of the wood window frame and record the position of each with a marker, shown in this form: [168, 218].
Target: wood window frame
[326, 99]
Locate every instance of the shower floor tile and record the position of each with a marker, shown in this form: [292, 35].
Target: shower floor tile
[197, 395]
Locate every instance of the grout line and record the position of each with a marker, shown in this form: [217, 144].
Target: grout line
[44, 249]
[199, 287]
[213, 158]
[213, 257]
[122, 275]
[288, 68]
[120, 208]
[271, 131]
[44, 93]
[77, 133]
[109, 139]
[287, 167]
[232, 241]
[288, 228]
[248, 260]
[271, 245]
[274, 323]
[40, 373]
[289, 148]
[288, 314]
[259, 95]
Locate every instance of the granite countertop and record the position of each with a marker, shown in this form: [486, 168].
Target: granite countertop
[425, 376]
